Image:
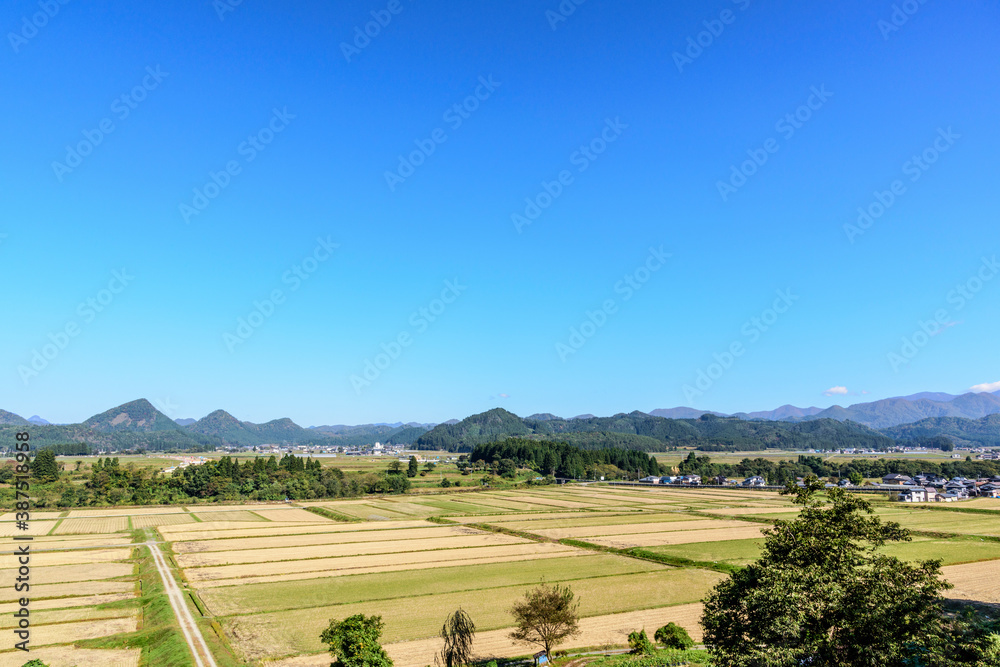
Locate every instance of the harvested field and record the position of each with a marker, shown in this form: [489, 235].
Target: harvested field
[35, 528]
[286, 633]
[979, 582]
[266, 597]
[67, 656]
[638, 521]
[35, 516]
[528, 516]
[78, 557]
[351, 549]
[291, 514]
[315, 539]
[79, 588]
[68, 573]
[678, 537]
[212, 532]
[116, 511]
[65, 603]
[65, 633]
[755, 510]
[685, 524]
[612, 629]
[231, 516]
[51, 542]
[384, 563]
[91, 526]
[207, 508]
[66, 615]
[156, 520]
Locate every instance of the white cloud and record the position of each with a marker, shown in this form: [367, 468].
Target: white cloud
[989, 387]
[836, 391]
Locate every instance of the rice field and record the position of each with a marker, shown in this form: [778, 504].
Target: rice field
[91, 526]
[273, 575]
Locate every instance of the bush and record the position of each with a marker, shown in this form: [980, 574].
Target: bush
[672, 635]
[639, 643]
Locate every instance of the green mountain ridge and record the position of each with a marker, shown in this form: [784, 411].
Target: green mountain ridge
[983, 432]
[638, 430]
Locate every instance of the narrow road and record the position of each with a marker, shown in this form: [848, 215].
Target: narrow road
[199, 649]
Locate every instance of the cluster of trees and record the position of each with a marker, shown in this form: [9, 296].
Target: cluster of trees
[227, 479]
[784, 471]
[564, 460]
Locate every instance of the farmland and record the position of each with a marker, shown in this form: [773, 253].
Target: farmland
[265, 579]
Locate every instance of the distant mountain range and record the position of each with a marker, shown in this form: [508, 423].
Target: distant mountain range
[885, 413]
[138, 424]
[972, 418]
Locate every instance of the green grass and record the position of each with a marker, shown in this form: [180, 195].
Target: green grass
[944, 522]
[664, 658]
[733, 552]
[275, 596]
[159, 636]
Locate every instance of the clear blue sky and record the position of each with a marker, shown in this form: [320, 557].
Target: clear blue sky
[672, 126]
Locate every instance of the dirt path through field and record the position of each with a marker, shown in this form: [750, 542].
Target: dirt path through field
[192, 635]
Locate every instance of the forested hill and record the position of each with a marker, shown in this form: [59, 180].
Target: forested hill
[983, 432]
[638, 430]
[563, 460]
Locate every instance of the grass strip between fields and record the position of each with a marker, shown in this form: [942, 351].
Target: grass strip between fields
[644, 554]
[334, 516]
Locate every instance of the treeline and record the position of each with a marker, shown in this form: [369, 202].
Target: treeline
[227, 479]
[564, 460]
[783, 471]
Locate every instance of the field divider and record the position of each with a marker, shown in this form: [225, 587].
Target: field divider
[642, 554]
[491, 528]
[335, 516]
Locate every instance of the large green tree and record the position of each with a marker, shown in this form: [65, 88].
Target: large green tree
[354, 642]
[822, 593]
[412, 468]
[44, 468]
